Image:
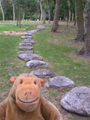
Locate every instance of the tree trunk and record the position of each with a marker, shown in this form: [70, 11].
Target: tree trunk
[41, 10]
[80, 21]
[44, 15]
[86, 49]
[2, 10]
[49, 11]
[13, 12]
[23, 15]
[56, 16]
[69, 11]
[19, 16]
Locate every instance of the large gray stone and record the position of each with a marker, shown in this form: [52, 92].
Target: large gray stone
[36, 64]
[26, 52]
[25, 47]
[26, 37]
[29, 41]
[60, 82]
[42, 73]
[28, 57]
[25, 44]
[77, 100]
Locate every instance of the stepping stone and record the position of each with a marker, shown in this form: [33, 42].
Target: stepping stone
[25, 44]
[28, 57]
[42, 73]
[27, 34]
[77, 100]
[25, 47]
[29, 41]
[26, 37]
[32, 31]
[60, 82]
[36, 63]
[26, 52]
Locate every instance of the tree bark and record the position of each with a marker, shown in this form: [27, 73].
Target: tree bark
[41, 10]
[19, 16]
[80, 21]
[44, 15]
[13, 12]
[2, 10]
[69, 11]
[23, 15]
[86, 49]
[49, 11]
[56, 16]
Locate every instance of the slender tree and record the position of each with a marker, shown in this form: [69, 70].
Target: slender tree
[79, 20]
[41, 10]
[2, 10]
[48, 10]
[56, 16]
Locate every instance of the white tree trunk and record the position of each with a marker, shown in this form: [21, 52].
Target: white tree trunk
[41, 10]
[13, 12]
[23, 15]
[2, 10]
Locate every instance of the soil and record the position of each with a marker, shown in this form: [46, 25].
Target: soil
[12, 33]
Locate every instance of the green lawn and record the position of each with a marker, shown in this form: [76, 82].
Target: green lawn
[58, 49]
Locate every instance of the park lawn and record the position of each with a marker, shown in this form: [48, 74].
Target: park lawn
[58, 49]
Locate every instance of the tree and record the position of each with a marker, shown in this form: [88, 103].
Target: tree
[86, 49]
[56, 16]
[2, 10]
[80, 21]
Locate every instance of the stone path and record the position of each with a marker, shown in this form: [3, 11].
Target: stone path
[77, 100]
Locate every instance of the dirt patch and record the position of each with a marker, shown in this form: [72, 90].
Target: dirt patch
[12, 33]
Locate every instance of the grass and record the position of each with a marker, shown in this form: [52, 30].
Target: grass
[58, 49]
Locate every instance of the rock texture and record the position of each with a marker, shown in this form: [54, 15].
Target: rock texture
[77, 100]
[26, 37]
[60, 82]
[36, 64]
[26, 52]
[28, 57]
[25, 47]
[42, 73]
[29, 41]
[25, 44]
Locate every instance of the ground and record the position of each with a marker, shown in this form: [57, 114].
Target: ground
[64, 35]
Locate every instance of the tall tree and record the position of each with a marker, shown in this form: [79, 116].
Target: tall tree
[80, 20]
[56, 16]
[49, 11]
[41, 10]
[86, 49]
[2, 10]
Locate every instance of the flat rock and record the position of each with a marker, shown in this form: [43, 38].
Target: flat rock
[26, 52]
[28, 57]
[60, 82]
[26, 37]
[25, 47]
[77, 100]
[36, 64]
[25, 44]
[29, 41]
[32, 31]
[42, 73]
[27, 34]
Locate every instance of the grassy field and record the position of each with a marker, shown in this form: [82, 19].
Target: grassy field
[58, 49]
